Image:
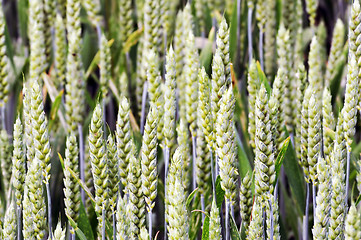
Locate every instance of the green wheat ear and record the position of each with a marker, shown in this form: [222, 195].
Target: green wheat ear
[191, 75]
[72, 189]
[323, 200]
[4, 61]
[353, 223]
[124, 138]
[170, 103]
[177, 215]
[225, 148]
[149, 158]
[203, 133]
[338, 37]
[265, 174]
[245, 200]
[9, 229]
[105, 66]
[19, 164]
[59, 233]
[214, 222]
[252, 87]
[125, 19]
[5, 155]
[338, 208]
[34, 203]
[255, 229]
[136, 197]
[93, 8]
[98, 163]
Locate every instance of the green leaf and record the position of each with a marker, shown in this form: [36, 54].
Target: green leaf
[205, 231]
[335, 82]
[78, 232]
[84, 223]
[96, 60]
[235, 235]
[54, 109]
[205, 57]
[295, 177]
[244, 165]
[233, 34]
[281, 157]
[55, 106]
[61, 160]
[132, 40]
[191, 196]
[219, 193]
[358, 200]
[263, 79]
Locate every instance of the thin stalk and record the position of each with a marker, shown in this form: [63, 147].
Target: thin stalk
[272, 220]
[213, 174]
[194, 153]
[249, 33]
[81, 151]
[275, 194]
[128, 71]
[261, 34]
[165, 39]
[104, 118]
[232, 210]
[49, 209]
[203, 207]
[314, 199]
[99, 34]
[305, 219]
[166, 164]
[238, 55]
[347, 175]
[3, 116]
[19, 223]
[217, 167]
[150, 223]
[144, 104]
[103, 223]
[71, 235]
[114, 226]
[227, 219]
[264, 223]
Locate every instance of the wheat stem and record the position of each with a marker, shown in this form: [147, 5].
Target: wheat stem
[19, 237]
[203, 207]
[144, 103]
[249, 33]
[227, 219]
[305, 218]
[261, 35]
[81, 163]
[49, 209]
[150, 223]
[347, 176]
[103, 222]
[194, 154]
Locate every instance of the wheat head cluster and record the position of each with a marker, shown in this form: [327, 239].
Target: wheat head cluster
[180, 120]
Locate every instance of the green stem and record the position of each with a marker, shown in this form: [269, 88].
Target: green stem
[81, 163]
[249, 33]
[150, 223]
[103, 223]
[305, 219]
[194, 153]
[49, 209]
[144, 104]
[227, 219]
[19, 223]
[347, 175]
